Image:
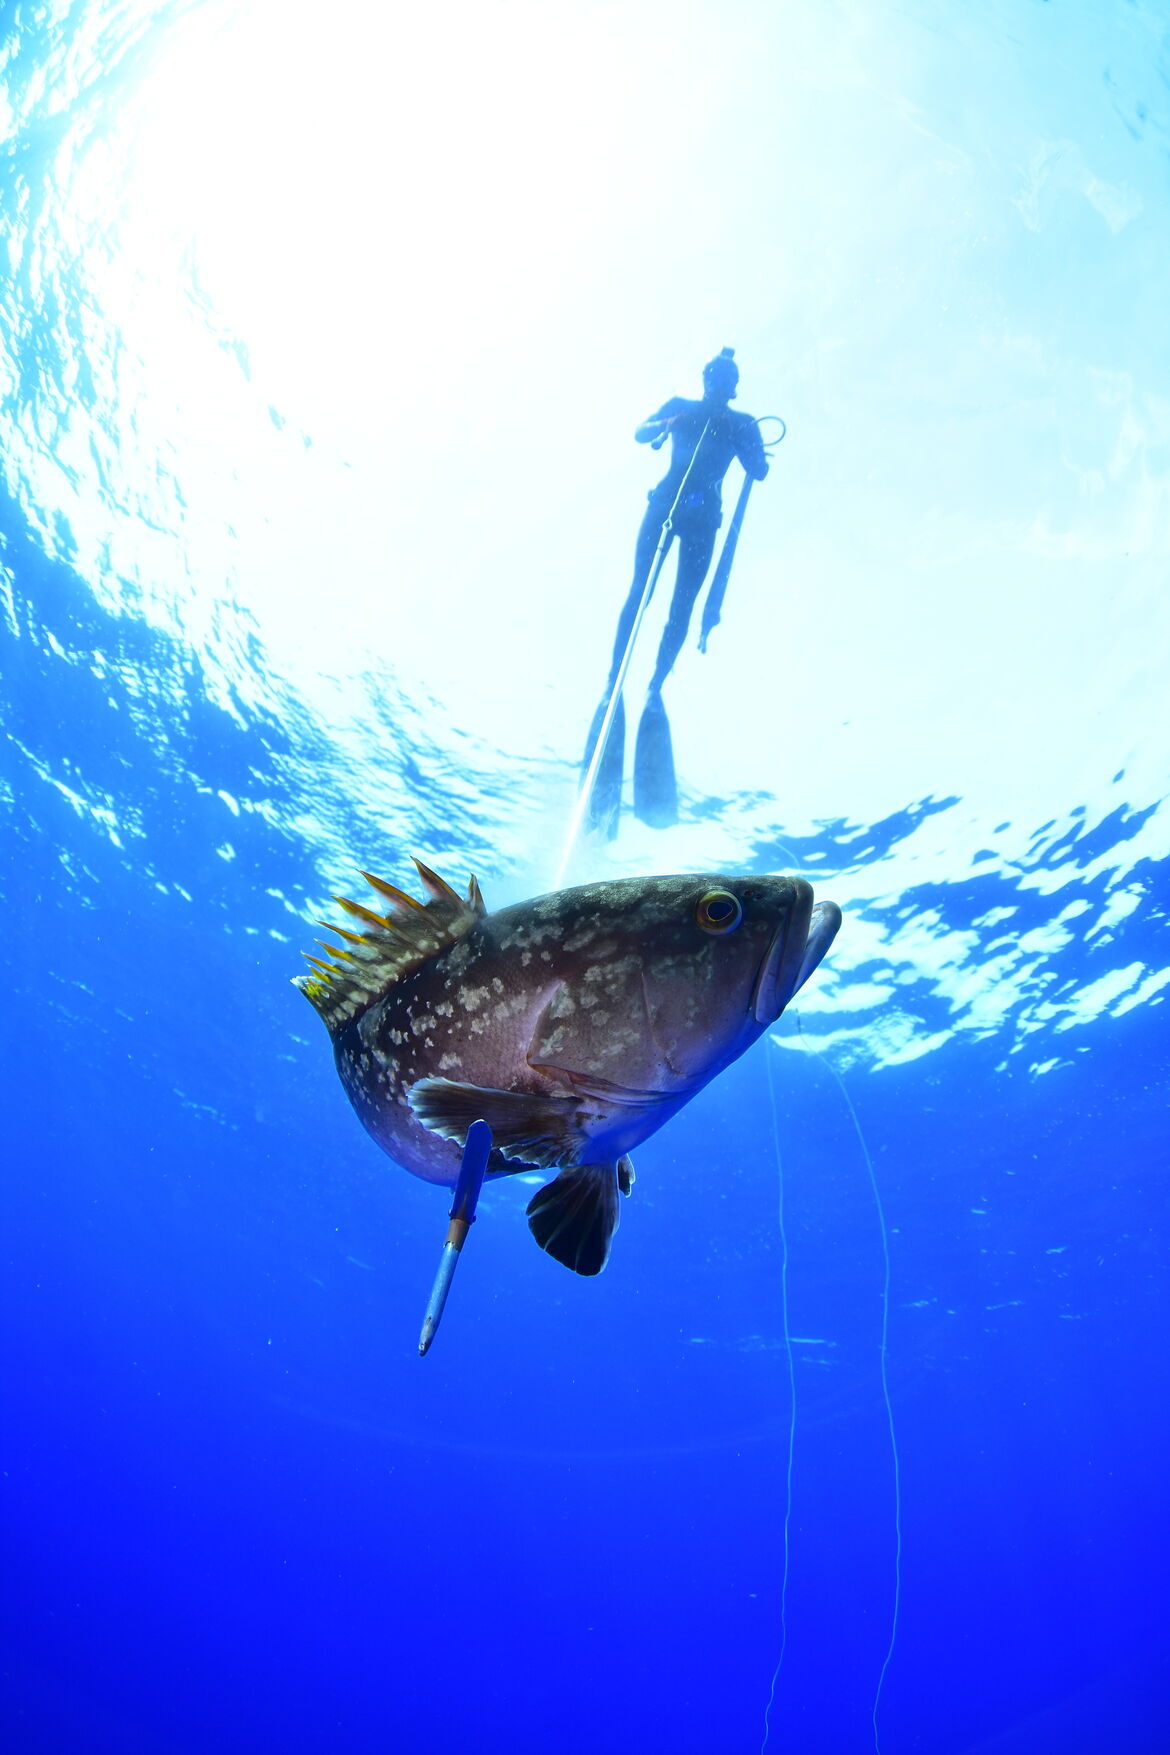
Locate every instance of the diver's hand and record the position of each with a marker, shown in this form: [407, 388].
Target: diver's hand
[657, 431]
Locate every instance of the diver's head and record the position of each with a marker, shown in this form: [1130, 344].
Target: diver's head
[720, 377]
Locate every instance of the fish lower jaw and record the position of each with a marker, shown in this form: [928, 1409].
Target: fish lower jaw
[779, 973]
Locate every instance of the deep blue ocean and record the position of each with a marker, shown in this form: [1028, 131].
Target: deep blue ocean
[324, 335]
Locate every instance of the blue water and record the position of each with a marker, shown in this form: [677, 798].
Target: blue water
[318, 510]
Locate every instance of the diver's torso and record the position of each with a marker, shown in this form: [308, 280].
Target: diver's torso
[715, 454]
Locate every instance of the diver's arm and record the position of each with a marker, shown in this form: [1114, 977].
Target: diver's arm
[653, 429]
[749, 448]
[656, 429]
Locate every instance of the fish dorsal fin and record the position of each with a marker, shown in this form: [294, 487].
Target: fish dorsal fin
[388, 946]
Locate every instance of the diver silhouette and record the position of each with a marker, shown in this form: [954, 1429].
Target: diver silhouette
[705, 436]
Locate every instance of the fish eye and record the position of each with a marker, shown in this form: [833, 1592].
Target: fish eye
[718, 911]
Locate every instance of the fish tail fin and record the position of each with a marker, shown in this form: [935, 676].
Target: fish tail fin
[575, 1216]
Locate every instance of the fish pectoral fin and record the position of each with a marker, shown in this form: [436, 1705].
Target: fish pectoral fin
[625, 1175]
[545, 1131]
[574, 1217]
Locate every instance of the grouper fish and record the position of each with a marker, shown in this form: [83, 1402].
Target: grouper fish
[575, 1024]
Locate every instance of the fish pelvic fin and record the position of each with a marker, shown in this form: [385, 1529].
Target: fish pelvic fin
[539, 1130]
[574, 1217]
[390, 945]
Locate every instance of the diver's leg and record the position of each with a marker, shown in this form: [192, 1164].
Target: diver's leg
[605, 800]
[605, 803]
[695, 550]
[647, 547]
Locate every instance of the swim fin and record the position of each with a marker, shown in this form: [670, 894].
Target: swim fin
[655, 788]
[605, 801]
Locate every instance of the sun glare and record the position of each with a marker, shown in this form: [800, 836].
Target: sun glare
[390, 198]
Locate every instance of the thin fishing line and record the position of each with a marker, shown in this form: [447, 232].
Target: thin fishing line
[885, 1382]
[789, 1355]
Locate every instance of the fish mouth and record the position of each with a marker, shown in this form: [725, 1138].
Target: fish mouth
[799, 942]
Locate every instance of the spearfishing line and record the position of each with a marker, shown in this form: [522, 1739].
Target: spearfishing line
[771, 444]
[791, 1405]
[885, 1382]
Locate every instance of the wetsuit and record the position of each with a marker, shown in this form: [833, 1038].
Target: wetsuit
[697, 516]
